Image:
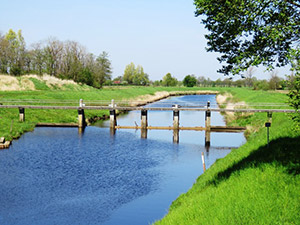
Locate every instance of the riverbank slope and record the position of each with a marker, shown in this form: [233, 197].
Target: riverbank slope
[254, 184]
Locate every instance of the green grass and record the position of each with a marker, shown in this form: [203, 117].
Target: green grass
[39, 85]
[254, 184]
[11, 128]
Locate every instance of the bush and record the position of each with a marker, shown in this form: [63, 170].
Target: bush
[189, 81]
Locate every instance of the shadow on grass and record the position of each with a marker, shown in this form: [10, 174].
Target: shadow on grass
[283, 151]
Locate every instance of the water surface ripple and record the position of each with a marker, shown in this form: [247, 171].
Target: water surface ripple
[57, 176]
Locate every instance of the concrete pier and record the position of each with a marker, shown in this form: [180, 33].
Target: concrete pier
[81, 118]
[21, 114]
[176, 136]
[113, 118]
[207, 140]
[144, 119]
[144, 133]
[207, 117]
[175, 117]
[207, 125]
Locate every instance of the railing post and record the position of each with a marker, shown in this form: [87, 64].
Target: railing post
[21, 114]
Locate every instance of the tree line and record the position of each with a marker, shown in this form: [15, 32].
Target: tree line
[66, 60]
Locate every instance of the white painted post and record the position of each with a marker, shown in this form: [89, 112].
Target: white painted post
[175, 117]
[113, 116]
[21, 114]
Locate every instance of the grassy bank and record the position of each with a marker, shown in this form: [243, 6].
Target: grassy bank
[254, 184]
[11, 128]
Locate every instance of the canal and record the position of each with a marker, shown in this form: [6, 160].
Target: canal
[57, 176]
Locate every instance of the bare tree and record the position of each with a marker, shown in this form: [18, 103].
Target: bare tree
[53, 54]
[274, 82]
[249, 76]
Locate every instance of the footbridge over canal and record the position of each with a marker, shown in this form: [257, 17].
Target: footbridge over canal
[144, 127]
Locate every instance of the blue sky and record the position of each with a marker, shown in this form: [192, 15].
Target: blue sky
[161, 35]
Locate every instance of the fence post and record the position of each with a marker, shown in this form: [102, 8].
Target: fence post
[21, 114]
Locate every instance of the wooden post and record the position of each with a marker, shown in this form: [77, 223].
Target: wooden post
[207, 140]
[270, 117]
[144, 133]
[203, 162]
[113, 118]
[175, 117]
[81, 118]
[207, 116]
[207, 126]
[144, 123]
[176, 135]
[144, 119]
[22, 114]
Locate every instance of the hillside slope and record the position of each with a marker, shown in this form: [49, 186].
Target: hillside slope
[255, 184]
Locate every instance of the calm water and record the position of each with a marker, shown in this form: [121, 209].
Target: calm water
[57, 176]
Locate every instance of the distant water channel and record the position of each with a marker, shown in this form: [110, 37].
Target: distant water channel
[57, 176]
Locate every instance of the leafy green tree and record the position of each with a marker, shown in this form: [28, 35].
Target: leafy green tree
[140, 77]
[15, 52]
[294, 84]
[294, 81]
[4, 44]
[189, 81]
[85, 76]
[157, 83]
[102, 69]
[135, 76]
[168, 80]
[129, 73]
[250, 32]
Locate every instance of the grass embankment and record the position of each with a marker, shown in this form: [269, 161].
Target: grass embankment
[254, 184]
[11, 128]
